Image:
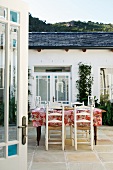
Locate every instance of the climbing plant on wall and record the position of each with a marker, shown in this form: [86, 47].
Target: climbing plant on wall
[84, 83]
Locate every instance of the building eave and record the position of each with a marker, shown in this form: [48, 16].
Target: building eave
[70, 47]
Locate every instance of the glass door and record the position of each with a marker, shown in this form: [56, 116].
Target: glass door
[106, 84]
[61, 88]
[53, 87]
[13, 95]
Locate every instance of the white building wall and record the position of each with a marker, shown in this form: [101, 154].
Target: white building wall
[96, 58]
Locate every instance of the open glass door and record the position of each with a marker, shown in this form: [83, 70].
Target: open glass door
[13, 95]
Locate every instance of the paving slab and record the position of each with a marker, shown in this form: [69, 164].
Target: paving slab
[82, 157]
[108, 166]
[106, 157]
[49, 166]
[86, 166]
[49, 157]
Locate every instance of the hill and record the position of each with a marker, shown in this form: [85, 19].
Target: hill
[36, 25]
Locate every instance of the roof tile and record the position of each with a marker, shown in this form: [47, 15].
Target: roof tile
[70, 40]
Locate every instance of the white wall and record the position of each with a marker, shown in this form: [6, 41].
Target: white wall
[96, 58]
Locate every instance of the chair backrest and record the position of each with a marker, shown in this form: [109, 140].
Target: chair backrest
[91, 101]
[54, 104]
[77, 104]
[53, 113]
[83, 114]
[37, 101]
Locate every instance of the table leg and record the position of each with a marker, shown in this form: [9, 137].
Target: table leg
[38, 129]
[95, 134]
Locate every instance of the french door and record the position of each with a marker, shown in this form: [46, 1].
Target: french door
[53, 87]
[13, 84]
[106, 83]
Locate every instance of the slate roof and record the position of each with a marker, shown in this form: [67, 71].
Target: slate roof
[71, 40]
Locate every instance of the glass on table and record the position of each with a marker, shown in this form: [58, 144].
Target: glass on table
[91, 101]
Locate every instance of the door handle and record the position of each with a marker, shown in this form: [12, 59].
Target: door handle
[24, 126]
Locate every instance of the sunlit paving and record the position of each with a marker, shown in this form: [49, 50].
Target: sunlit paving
[83, 159]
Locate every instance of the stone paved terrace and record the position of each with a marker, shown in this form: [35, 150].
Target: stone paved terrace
[101, 158]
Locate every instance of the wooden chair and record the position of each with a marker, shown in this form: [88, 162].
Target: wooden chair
[82, 129]
[55, 123]
[77, 103]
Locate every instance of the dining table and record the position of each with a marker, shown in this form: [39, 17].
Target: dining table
[39, 119]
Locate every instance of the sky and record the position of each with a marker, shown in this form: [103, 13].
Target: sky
[54, 11]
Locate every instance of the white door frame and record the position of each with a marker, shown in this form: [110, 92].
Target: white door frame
[17, 160]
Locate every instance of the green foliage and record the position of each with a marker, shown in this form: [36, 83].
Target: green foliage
[105, 104]
[12, 111]
[104, 98]
[84, 84]
[107, 117]
[36, 25]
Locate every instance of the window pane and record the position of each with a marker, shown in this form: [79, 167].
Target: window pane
[12, 133]
[12, 150]
[1, 78]
[13, 85]
[48, 88]
[14, 16]
[2, 151]
[43, 89]
[2, 132]
[37, 87]
[106, 84]
[2, 70]
[3, 13]
[61, 88]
